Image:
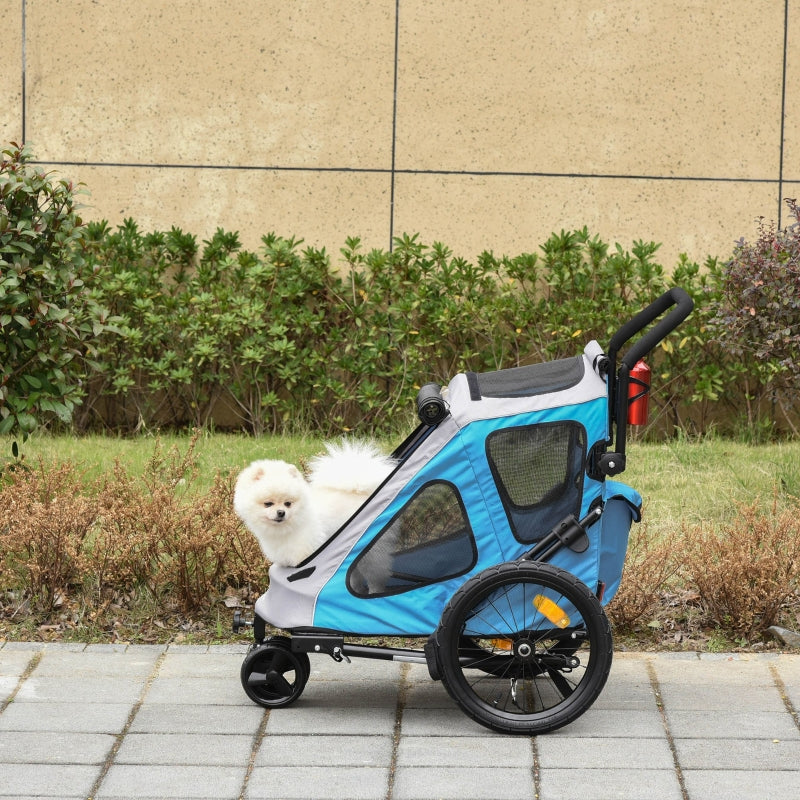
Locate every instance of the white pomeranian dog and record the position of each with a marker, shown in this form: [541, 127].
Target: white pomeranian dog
[344, 477]
[273, 499]
[290, 516]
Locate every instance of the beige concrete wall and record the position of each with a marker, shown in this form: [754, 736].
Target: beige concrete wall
[481, 125]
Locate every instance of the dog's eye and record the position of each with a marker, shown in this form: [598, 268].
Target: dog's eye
[269, 504]
[288, 504]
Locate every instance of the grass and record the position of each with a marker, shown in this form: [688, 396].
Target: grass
[689, 483]
[681, 482]
[214, 452]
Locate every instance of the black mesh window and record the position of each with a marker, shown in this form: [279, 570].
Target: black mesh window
[538, 470]
[429, 540]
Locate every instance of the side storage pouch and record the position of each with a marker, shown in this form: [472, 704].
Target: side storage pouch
[623, 505]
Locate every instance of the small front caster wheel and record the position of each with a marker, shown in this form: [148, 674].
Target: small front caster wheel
[272, 675]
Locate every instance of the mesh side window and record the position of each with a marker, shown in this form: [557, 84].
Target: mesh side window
[538, 470]
[429, 540]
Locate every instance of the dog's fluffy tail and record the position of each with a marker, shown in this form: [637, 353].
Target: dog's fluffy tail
[351, 465]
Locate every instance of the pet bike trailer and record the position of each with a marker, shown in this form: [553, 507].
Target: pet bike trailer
[496, 542]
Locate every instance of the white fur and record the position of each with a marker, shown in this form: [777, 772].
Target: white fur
[291, 517]
[274, 501]
[343, 479]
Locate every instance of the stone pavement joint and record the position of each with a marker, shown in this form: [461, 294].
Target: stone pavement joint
[402, 699]
[787, 701]
[651, 674]
[113, 752]
[258, 739]
[31, 666]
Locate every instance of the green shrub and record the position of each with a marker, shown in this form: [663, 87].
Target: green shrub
[758, 320]
[48, 319]
[283, 340]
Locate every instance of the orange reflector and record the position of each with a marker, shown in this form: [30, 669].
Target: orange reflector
[546, 606]
[501, 644]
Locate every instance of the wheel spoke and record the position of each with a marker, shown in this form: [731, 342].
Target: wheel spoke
[524, 647]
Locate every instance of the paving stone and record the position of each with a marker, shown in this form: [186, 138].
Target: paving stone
[459, 783]
[731, 725]
[565, 752]
[208, 691]
[465, 751]
[65, 717]
[300, 719]
[7, 686]
[738, 754]
[450, 721]
[46, 780]
[130, 664]
[35, 747]
[695, 697]
[14, 662]
[614, 723]
[185, 749]
[201, 665]
[310, 783]
[322, 750]
[52, 689]
[153, 781]
[742, 784]
[166, 718]
[613, 784]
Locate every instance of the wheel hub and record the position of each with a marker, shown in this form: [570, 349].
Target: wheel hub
[524, 649]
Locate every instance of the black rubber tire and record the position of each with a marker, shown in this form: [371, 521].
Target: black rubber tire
[506, 665]
[272, 675]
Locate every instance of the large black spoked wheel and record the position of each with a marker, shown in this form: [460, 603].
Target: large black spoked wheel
[272, 675]
[524, 647]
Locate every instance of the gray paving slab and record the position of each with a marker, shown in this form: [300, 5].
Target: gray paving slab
[465, 751]
[731, 725]
[50, 747]
[65, 717]
[742, 784]
[172, 718]
[64, 689]
[322, 750]
[136, 663]
[738, 754]
[185, 749]
[14, 662]
[154, 781]
[615, 723]
[310, 783]
[331, 720]
[566, 752]
[613, 784]
[701, 698]
[63, 781]
[460, 783]
[7, 685]
[174, 723]
[210, 665]
[220, 690]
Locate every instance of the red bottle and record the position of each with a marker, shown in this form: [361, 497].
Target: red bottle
[638, 391]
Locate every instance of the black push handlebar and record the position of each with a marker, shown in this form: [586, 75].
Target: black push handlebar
[681, 306]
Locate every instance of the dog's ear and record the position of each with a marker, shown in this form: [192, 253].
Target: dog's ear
[257, 474]
[294, 472]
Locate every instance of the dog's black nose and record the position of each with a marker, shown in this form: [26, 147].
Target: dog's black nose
[280, 513]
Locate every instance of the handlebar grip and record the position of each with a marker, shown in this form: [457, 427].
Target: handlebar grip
[673, 297]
